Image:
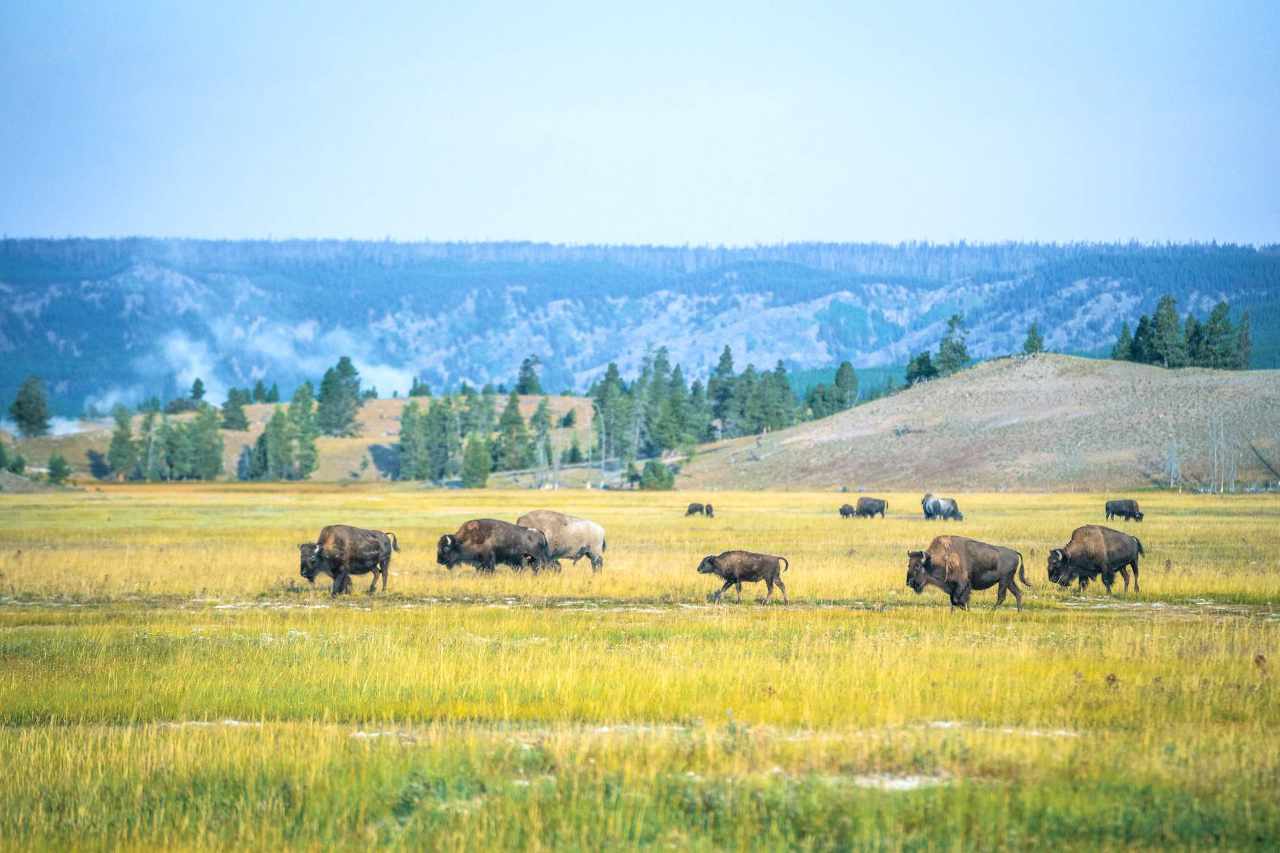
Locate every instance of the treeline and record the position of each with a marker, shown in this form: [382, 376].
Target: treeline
[164, 449]
[1164, 339]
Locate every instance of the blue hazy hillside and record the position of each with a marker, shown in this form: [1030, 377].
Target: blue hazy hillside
[107, 320]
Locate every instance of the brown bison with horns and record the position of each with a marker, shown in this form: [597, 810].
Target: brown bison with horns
[734, 567]
[341, 551]
[957, 565]
[1096, 551]
[485, 542]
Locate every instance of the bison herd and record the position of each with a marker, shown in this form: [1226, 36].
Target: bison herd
[538, 540]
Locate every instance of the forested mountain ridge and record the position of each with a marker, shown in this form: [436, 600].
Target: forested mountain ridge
[109, 320]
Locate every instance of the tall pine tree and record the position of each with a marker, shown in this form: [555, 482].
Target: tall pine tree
[30, 409]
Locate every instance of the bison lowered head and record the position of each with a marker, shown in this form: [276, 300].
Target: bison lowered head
[447, 551]
[918, 565]
[308, 552]
[708, 565]
[1058, 570]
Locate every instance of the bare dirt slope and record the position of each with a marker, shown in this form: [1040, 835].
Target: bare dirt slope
[1046, 422]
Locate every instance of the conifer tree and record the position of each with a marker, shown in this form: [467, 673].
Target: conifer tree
[720, 388]
[953, 354]
[233, 416]
[302, 418]
[122, 453]
[1219, 340]
[846, 385]
[513, 449]
[59, 470]
[259, 392]
[1168, 342]
[438, 440]
[476, 463]
[921, 369]
[30, 409]
[1123, 349]
[273, 394]
[206, 444]
[412, 450]
[527, 382]
[1244, 344]
[1034, 342]
[339, 399]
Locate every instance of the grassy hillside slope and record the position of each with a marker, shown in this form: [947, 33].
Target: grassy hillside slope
[1048, 422]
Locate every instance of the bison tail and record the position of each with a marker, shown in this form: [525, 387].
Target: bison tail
[786, 565]
[1022, 569]
[1139, 541]
[395, 543]
[604, 544]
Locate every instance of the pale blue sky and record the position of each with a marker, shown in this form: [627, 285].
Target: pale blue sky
[733, 123]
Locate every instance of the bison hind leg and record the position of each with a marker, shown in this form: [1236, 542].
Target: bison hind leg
[768, 582]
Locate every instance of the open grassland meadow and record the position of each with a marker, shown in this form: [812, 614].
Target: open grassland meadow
[168, 680]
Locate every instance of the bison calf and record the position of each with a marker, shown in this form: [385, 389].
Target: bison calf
[846, 511]
[735, 567]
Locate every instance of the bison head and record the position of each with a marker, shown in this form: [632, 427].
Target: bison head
[308, 553]
[447, 551]
[708, 565]
[918, 565]
[1137, 516]
[709, 511]
[1059, 572]
[957, 514]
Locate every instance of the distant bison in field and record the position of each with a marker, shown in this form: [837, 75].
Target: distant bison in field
[957, 565]
[735, 567]
[341, 551]
[1126, 509]
[846, 511]
[1096, 551]
[870, 507]
[568, 536]
[700, 509]
[485, 542]
[940, 508]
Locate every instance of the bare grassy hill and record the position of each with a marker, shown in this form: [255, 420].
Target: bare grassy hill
[1047, 422]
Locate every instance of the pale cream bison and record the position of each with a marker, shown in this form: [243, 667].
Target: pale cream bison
[568, 536]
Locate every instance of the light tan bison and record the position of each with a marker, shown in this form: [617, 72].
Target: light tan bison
[568, 536]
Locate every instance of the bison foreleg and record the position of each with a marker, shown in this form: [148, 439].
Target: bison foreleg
[720, 592]
[738, 585]
[1124, 573]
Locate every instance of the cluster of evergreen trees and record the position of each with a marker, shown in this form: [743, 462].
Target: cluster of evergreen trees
[1166, 340]
[165, 449]
[286, 448]
[953, 355]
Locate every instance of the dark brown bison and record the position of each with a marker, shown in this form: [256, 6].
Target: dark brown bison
[940, 508]
[846, 511]
[568, 536]
[1126, 509]
[869, 507]
[341, 551]
[700, 509]
[1096, 551]
[485, 542]
[957, 565]
[735, 567]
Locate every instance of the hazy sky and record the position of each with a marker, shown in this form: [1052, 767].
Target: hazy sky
[732, 123]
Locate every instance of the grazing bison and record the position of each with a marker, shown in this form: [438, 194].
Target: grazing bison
[1096, 551]
[846, 511]
[341, 551]
[868, 507]
[738, 566]
[941, 508]
[700, 509]
[957, 565]
[485, 542]
[568, 536]
[1126, 509]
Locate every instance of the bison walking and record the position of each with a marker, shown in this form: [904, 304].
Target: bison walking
[940, 508]
[485, 542]
[1096, 551]
[735, 567]
[1126, 509]
[341, 551]
[700, 509]
[567, 536]
[957, 565]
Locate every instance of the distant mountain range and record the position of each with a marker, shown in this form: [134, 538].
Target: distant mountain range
[109, 320]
